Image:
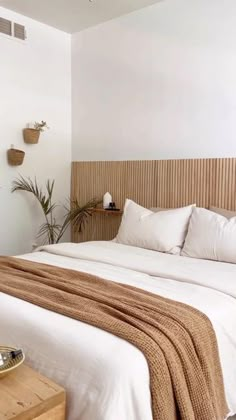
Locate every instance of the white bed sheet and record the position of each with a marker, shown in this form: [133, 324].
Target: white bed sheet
[105, 377]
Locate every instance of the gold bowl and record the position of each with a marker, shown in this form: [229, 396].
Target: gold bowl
[13, 363]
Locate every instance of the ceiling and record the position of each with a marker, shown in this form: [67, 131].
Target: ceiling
[74, 15]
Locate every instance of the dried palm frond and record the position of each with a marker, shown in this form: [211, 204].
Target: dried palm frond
[26, 184]
[50, 231]
[78, 215]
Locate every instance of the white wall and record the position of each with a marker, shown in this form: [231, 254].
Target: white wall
[156, 84]
[35, 84]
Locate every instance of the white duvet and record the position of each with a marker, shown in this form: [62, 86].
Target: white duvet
[105, 377]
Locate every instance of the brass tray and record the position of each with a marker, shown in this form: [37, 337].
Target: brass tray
[12, 364]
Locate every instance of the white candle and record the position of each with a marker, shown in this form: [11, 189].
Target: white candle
[107, 199]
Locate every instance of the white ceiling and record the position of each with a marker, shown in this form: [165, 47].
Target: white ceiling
[74, 15]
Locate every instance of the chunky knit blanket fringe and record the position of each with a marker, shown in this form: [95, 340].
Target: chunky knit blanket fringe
[177, 340]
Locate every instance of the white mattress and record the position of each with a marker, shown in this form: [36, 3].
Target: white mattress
[105, 377]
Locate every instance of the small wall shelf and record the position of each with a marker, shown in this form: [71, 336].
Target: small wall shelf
[107, 212]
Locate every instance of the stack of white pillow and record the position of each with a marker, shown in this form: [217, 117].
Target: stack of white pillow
[189, 231]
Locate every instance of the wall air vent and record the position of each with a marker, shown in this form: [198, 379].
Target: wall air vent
[5, 27]
[19, 31]
[12, 29]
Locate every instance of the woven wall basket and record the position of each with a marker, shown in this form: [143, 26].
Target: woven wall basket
[31, 136]
[15, 157]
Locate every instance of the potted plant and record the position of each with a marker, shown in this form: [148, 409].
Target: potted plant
[50, 231]
[31, 135]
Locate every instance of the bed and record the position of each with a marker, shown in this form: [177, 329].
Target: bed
[78, 356]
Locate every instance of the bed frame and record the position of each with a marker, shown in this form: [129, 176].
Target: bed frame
[152, 183]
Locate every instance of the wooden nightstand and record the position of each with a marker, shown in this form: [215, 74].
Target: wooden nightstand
[27, 395]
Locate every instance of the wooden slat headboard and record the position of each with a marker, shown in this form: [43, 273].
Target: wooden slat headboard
[157, 183]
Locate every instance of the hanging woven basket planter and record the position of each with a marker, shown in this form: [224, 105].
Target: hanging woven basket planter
[31, 135]
[15, 157]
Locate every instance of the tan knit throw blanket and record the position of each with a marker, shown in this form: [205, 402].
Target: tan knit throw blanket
[178, 341]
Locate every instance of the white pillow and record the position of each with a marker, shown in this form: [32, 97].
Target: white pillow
[211, 236]
[164, 231]
[223, 212]
[157, 209]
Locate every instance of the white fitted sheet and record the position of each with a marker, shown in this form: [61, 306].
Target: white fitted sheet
[105, 377]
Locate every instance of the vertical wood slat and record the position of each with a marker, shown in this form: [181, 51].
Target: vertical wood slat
[163, 183]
